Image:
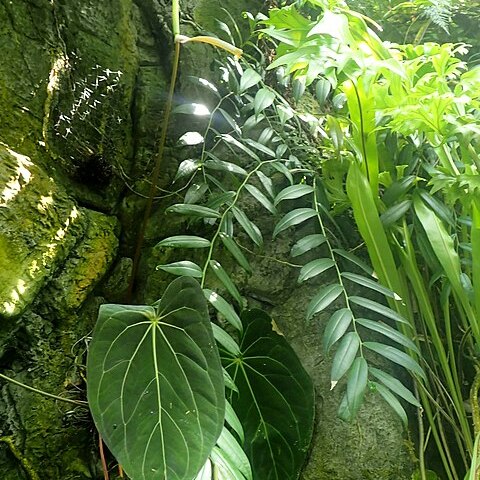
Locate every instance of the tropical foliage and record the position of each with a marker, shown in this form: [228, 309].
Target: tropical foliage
[387, 135]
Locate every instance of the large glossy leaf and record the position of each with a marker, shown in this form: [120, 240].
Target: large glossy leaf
[275, 402]
[155, 384]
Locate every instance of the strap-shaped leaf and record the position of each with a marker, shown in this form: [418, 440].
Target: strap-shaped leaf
[263, 99]
[395, 386]
[356, 386]
[370, 283]
[355, 260]
[392, 401]
[220, 304]
[225, 340]
[248, 79]
[266, 182]
[192, 210]
[250, 228]
[261, 198]
[344, 356]
[223, 276]
[275, 402]
[379, 308]
[232, 452]
[389, 332]
[323, 299]
[231, 418]
[233, 141]
[280, 167]
[395, 213]
[314, 268]
[184, 241]
[185, 268]
[195, 192]
[222, 166]
[292, 218]
[396, 356]
[186, 168]
[224, 466]
[237, 254]
[337, 325]
[155, 384]
[260, 147]
[292, 192]
[306, 244]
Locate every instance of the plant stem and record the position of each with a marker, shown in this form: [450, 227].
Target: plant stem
[80, 403]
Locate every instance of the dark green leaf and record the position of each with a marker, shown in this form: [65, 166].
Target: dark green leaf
[396, 356]
[323, 299]
[292, 218]
[389, 332]
[227, 281]
[314, 268]
[379, 308]
[355, 260]
[225, 468]
[220, 304]
[395, 386]
[233, 141]
[275, 403]
[306, 244]
[184, 241]
[356, 386]
[233, 248]
[370, 283]
[337, 325]
[155, 385]
[250, 228]
[397, 189]
[395, 213]
[187, 268]
[344, 356]
[263, 99]
[392, 401]
[230, 121]
[193, 210]
[261, 198]
[292, 192]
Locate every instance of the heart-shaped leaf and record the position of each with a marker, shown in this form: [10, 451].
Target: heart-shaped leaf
[275, 402]
[155, 384]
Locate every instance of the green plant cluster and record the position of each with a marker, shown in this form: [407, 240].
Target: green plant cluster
[398, 131]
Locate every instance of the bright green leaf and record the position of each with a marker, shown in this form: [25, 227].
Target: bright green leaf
[292, 192]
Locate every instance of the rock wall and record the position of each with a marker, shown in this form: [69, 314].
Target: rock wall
[82, 90]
